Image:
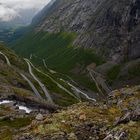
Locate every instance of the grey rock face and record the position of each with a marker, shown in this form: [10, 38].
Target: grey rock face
[112, 27]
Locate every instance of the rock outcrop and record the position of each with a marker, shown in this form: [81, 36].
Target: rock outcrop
[116, 119]
[111, 27]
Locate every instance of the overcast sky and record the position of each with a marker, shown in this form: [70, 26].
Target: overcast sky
[9, 9]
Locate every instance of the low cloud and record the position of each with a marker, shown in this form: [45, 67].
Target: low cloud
[10, 9]
[7, 14]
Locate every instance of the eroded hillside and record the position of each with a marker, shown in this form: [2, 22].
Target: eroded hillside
[117, 118]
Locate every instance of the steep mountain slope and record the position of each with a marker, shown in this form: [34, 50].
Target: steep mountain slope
[76, 53]
[45, 83]
[26, 91]
[39, 16]
[112, 27]
[75, 35]
[117, 117]
[11, 34]
[16, 94]
[12, 84]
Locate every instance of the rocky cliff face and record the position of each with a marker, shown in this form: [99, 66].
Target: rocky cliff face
[110, 26]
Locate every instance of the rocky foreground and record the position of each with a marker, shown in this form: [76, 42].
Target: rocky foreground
[118, 118]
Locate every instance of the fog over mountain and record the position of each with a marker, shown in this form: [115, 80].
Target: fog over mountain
[15, 12]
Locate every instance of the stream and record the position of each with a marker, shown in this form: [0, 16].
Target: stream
[21, 107]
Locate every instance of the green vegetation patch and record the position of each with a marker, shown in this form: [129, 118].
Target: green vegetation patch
[84, 81]
[113, 74]
[61, 97]
[57, 49]
[13, 58]
[16, 123]
[135, 71]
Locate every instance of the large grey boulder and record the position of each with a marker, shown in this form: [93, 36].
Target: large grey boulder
[39, 117]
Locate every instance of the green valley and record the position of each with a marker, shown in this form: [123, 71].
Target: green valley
[57, 49]
[70, 70]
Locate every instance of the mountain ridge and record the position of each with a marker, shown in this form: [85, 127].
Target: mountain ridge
[102, 17]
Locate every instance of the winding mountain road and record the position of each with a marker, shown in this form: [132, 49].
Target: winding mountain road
[97, 85]
[6, 58]
[32, 86]
[79, 91]
[59, 85]
[23, 76]
[99, 81]
[75, 88]
[45, 65]
[39, 82]
[43, 86]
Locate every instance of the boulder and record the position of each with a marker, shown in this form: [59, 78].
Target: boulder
[39, 117]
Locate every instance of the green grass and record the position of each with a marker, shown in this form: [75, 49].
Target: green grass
[8, 126]
[84, 81]
[13, 58]
[16, 123]
[112, 74]
[64, 99]
[135, 71]
[60, 55]
[57, 49]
